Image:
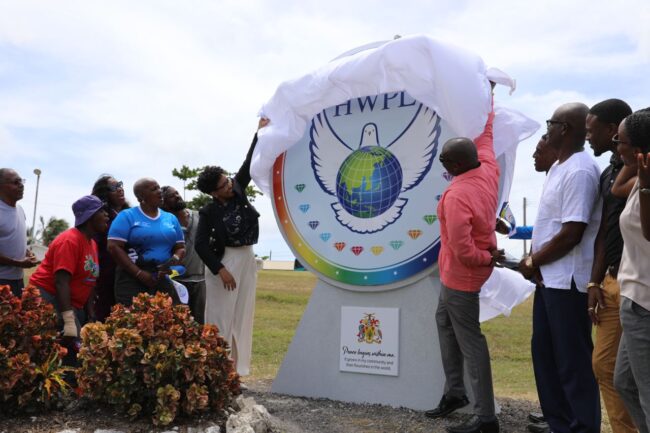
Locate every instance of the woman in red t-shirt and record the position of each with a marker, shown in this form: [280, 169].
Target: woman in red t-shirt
[66, 278]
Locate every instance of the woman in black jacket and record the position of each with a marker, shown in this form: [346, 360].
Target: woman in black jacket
[228, 229]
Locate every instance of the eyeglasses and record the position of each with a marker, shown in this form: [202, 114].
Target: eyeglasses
[115, 187]
[617, 141]
[551, 122]
[16, 182]
[224, 184]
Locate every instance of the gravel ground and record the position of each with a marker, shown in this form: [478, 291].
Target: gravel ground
[308, 415]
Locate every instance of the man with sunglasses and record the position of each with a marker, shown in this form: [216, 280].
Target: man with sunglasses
[14, 254]
[194, 277]
[562, 252]
[603, 289]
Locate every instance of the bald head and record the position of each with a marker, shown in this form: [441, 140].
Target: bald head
[459, 155]
[573, 115]
[141, 186]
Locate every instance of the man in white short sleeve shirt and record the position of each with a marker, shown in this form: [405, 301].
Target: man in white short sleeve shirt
[562, 254]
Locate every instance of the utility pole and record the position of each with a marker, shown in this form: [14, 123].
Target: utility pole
[37, 172]
[525, 246]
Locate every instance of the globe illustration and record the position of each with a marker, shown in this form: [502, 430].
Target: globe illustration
[369, 181]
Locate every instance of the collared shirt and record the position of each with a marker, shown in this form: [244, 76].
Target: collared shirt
[467, 211]
[570, 194]
[152, 239]
[613, 207]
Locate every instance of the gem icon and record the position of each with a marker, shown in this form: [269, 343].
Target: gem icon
[313, 224]
[430, 219]
[396, 245]
[356, 250]
[414, 234]
[300, 187]
[377, 249]
[325, 236]
[304, 208]
[339, 245]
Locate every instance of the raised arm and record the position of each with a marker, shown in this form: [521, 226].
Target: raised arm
[644, 192]
[243, 176]
[625, 181]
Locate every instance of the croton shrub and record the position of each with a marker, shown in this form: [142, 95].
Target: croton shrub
[153, 358]
[31, 372]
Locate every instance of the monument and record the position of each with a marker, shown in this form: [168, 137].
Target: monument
[350, 161]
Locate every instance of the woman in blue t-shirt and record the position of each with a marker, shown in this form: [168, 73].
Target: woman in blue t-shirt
[144, 241]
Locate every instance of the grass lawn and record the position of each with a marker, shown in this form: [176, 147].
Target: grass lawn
[283, 295]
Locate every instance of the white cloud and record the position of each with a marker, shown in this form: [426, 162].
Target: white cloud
[138, 88]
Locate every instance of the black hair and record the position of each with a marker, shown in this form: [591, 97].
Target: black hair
[637, 126]
[209, 177]
[101, 188]
[611, 111]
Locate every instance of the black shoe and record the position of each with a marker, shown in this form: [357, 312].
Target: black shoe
[538, 427]
[446, 406]
[474, 425]
[536, 417]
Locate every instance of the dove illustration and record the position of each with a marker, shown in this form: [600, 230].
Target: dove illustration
[368, 179]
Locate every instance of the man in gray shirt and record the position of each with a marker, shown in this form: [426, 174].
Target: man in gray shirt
[14, 255]
[193, 278]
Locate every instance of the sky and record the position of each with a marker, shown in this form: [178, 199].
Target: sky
[137, 88]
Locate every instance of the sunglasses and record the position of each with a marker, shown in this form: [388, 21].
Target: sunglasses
[551, 122]
[224, 184]
[115, 187]
[617, 141]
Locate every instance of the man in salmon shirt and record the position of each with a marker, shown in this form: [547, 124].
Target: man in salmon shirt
[468, 253]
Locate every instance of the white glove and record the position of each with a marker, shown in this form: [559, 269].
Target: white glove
[69, 324]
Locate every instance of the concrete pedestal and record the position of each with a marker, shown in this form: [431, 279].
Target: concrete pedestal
[311, 365]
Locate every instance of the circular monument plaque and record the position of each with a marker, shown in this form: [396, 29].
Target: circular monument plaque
[356, 197]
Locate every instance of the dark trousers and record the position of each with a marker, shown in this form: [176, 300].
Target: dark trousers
[17, 286]
[561, 349]
[196, 292]
[127, 287]
[462, 343]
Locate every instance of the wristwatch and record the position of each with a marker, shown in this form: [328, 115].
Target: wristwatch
[644, 190]
[592, 284]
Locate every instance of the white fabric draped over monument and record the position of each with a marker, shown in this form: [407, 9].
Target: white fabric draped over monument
[448, 79]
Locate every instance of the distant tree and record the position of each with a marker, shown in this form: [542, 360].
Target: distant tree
[185, 173]
[189, 175]
[53, 228]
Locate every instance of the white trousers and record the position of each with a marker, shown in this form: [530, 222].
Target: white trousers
[232, 310]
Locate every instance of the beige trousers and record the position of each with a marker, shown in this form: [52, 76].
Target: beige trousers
[608, 336]
[232, 310]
